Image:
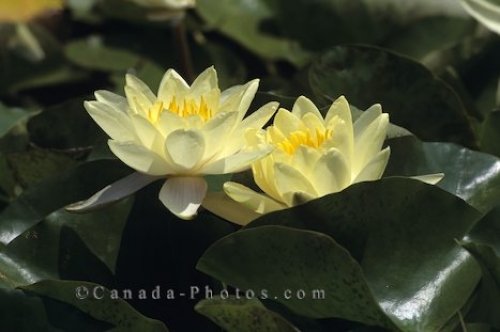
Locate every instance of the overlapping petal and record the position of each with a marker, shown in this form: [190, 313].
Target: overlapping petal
[315, 156]
[183, 132]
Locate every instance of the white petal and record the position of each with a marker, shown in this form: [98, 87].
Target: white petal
[172, 84]
[368, 142]
[250, 127]
[291, 180]
[340, 107]
[260, 117]
[339, 120]
[147, 133]
[205, 82]
[366, 118]
[114, 192]
[239, 98]
[185, 147]
[287, 122]
[140, 158]
[255, 201]
[303, 106]
[313, 123]
[263, 174]
[331, 173]
[217, 130]
[139, 86]
[303, 159]
[237, 162]
[114, 122]
[221, 205]
[375, 167]
[138, 103]
[139, 96]
[169, 122]
[429, 178]
[111, 99]
[183, 195]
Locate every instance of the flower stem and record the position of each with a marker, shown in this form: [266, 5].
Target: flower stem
[184, 52]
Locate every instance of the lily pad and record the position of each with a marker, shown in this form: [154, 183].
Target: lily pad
[403, 233]
[243, 315]
[411, 94]
[461, 167]
[331, 285]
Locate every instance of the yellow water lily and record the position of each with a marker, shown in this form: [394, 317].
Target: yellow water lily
[12, 11]
[181, 133]
[314, 156]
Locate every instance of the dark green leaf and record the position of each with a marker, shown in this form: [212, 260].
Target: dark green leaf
[65, 126]
[22, 313]
[34, 165]
[159, 249]
[429, 34]
[242, 20]
[243, 315]
[403, 233]
[56, 192]
[10, 117]
[332, 282]
[490, 133]
[91, 53]
[488, 305]
[107, 309]
[19, 72]
[100, 230]
[461, 168]
[414, 98]
[81, 247]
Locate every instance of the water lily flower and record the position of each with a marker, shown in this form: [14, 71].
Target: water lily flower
[181, 134]
[314, 156]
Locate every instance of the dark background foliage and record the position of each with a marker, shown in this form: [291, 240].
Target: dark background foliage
[394, 254]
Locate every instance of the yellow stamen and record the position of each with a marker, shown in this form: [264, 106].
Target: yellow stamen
[189, 107]
[185, 108]
[155, 111]
[304, 137]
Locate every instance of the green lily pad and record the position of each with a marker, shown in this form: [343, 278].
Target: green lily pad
[53, 193]
[411, 94]
[487, 306]
[402, 232]
[461, 167]
[91, 53]
[12, 116]
[97, 302]
[242, 21]
[330, 285]
[31, 166]
[66, 126]
[243, 315]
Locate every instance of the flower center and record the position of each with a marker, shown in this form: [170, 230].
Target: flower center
[184, 108]
[306, 137]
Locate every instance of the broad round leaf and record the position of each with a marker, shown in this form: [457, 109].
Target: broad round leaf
[403, 233]
[414, 98]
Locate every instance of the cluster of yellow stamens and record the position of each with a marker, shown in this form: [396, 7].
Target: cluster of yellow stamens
[185, 108]
[306, 137]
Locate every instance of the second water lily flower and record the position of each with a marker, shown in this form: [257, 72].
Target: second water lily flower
[181, 133]
[314, 156]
